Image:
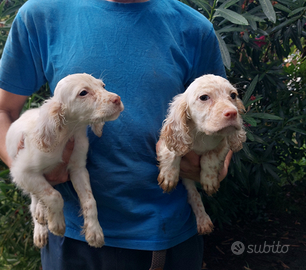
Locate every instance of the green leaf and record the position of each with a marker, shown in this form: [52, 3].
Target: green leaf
[282, 25]
[230, 28]
[253, 17]
[230, 15]
[249, 120]
[296, 130]
[296, 11]
[252, 23]
[252, 101]
[296, 40]
[224, 52]
[1, 8]
[283, 8]
[250, 90]
[228, 3]
[268, 10]
[248, 153]
[265, 116]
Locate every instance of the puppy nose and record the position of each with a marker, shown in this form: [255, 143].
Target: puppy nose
[230, 114]
[116, 100]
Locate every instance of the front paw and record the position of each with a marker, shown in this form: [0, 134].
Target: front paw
[210, 184]
[168, 181]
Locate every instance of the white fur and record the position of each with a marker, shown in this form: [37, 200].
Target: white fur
[205, 119]
[45, 132]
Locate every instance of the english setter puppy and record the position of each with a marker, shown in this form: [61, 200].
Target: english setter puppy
[79, 100]
[206, 119]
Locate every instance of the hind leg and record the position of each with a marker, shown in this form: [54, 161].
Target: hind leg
[205, 226]
[40, 233]
[45, 195]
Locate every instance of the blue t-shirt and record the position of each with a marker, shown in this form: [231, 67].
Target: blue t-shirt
[146, 53]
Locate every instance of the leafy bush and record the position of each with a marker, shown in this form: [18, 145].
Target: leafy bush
[255, 38]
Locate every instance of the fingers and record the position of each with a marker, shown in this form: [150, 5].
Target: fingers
[60, 174]
[224, 170]
[190, 166]
[68, 151]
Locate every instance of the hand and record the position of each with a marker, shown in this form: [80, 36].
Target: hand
[190, 166]
[60, 174]
[227, 162]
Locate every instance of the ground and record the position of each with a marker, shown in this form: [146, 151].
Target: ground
[277, 243]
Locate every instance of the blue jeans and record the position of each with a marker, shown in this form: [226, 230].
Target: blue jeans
[62, 253]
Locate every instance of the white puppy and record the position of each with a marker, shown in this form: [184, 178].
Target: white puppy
[205, 119]
[79, 100]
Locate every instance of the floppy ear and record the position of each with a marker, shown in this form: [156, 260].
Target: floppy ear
[236, 140]
[175, 130]
[240, 106]
[49, 125]
[97, 128]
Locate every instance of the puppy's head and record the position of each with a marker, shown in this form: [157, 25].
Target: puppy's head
[215, 108]
[86, 100]
[79, 99]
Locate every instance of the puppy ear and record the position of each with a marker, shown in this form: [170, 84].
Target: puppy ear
[175, 130]
[49, 125]
[236, 140]
[97, 128]
[240, 106]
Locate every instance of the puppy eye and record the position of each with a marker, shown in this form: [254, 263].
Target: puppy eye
[204, 97]
[233, 95]
[83, 93]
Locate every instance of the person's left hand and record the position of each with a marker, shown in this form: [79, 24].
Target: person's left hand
[191, 168]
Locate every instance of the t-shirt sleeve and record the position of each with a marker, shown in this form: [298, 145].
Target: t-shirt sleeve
[21, 70]
[208, 58]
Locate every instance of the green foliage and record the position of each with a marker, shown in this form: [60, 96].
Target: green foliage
[8, 11]
[256, 38]
[16, 244]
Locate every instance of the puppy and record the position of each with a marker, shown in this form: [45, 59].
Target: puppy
[79, 100]
[205, 119]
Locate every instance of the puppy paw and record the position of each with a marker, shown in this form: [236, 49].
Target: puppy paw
[94, 235]
[205, 226]
[40, 236]
[56, 223]
[168, 181]
[40, 214]
[210, 184]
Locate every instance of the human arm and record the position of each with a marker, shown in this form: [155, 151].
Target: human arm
[10, 108]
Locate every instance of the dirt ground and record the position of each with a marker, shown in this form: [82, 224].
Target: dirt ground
[274, 244]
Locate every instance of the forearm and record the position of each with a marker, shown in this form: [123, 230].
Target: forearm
[10, 108]
[5, 121]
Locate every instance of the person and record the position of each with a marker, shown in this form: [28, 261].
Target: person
[146, 51]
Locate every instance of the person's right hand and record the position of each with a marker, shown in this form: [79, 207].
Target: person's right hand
[60, 174]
